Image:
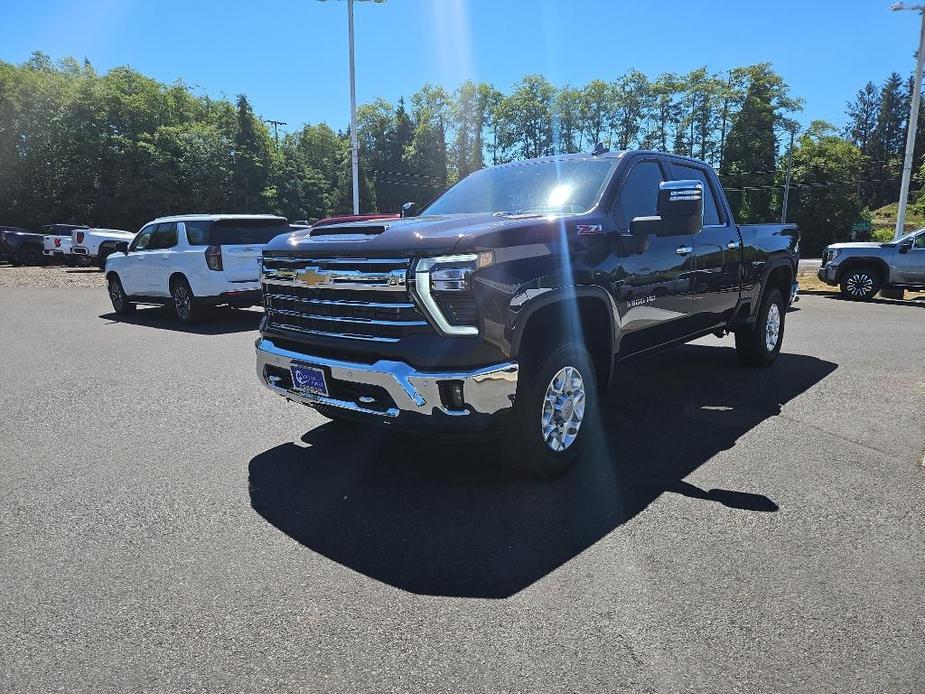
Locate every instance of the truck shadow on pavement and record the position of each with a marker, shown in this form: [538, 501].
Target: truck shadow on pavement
[447, 519]
[218, 321]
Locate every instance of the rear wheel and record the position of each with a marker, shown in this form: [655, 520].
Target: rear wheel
[554, 410]
[759, 343]
[187, 309]
[860, 284]
[120, 302]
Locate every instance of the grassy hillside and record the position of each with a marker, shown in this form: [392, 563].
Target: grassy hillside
[884, 221]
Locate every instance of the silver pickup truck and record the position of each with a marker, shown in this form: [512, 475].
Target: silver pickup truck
[862, 269]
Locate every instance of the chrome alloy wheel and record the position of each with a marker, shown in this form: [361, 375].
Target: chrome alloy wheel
[182, 301]
[772, 328]
[115, 294]
[563, 409]
[859, 284]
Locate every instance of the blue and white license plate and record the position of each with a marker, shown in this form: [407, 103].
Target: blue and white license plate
[309, 379]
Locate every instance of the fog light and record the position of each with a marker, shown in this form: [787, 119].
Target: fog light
[451, 394]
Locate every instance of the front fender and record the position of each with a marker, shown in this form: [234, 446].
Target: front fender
[528, 301]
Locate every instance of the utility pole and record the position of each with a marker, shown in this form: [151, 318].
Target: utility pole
[783, 212]
[275, 124]
[913, 121]
[354, 147]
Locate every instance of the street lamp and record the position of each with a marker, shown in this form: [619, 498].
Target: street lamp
[913, 120]
[354, 146]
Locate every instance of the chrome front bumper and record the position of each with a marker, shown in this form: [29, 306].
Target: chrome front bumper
[487, 391]
[828, 274]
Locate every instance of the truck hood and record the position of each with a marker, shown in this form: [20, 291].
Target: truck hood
[416, 236]
[856, 244]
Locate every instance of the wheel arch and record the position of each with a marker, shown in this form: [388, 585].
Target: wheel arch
[560, 312]
[879, 265]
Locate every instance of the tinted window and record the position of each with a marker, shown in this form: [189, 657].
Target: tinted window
[639, 194]
[920, 241]
[164, 237]
[197, 233]
[232, 232]
[689, 173]
[568, 186]
[143, 239]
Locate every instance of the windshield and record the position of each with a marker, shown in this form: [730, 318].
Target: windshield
[570, 186]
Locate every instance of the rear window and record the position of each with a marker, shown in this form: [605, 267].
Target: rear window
[234, 232]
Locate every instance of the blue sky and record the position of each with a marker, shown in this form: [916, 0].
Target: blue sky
[290, 56]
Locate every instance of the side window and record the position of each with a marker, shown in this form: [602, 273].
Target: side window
[710, 208]
[165, 236]
[639, 195]
[919, 242]
[143, 239]
[197, 233]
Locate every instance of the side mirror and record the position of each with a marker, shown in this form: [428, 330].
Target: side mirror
[409, 209]
[906, 246]
[680, 211]
[122, 247]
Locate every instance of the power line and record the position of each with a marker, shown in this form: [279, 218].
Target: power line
[275, 124]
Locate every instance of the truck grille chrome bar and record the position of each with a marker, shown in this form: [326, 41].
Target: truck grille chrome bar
[352, 298]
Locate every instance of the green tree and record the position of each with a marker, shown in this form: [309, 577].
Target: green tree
[251, 160]
[824, 198]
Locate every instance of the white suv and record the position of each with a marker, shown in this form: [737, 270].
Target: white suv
[192, 262]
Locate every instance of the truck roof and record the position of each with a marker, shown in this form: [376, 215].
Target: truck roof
[617, 154]
[215, 217]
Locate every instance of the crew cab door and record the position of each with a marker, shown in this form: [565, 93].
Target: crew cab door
[159, 266]
[909, 267]
[717, 253]
[652, 277]
[132, 267]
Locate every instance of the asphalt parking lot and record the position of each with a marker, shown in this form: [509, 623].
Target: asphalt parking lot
[169, 525]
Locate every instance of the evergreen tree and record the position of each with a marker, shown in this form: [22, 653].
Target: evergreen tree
[251, 160]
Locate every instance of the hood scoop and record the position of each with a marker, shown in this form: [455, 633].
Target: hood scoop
[351, 229]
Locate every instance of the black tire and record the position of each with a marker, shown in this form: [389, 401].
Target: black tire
[753, 343]
[31, 256]
[120, 303]
[860, 283]
[548, 456]
[104, 252]
[186, 307]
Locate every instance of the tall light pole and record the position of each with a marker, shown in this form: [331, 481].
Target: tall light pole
[913, 120]
[354, 146]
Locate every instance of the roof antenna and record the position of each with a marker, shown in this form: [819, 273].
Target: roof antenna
[599, 149]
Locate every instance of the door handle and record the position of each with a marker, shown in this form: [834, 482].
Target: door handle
[732, 245]
[684, 250]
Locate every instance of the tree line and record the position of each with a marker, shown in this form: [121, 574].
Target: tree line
[118, 149]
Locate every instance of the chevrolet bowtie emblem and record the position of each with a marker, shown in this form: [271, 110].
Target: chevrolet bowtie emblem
[312, 277]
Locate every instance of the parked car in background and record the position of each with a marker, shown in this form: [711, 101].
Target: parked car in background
[192, 262]
[509, 301]
[94, 245]
[56, 247]
[861, 269]
[56, 240]
[21, 246]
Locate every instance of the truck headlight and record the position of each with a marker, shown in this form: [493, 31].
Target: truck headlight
[447, 273]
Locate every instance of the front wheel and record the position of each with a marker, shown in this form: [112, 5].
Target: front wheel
[120, 303]
[860, 284]
[759, 343]
[554, 410]
[31, 256]
[185, 305]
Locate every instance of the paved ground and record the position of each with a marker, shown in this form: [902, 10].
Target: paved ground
[167, 525]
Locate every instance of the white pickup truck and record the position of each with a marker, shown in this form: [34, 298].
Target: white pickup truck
[97, 244]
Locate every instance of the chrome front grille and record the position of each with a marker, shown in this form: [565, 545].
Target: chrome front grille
[355, 298]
